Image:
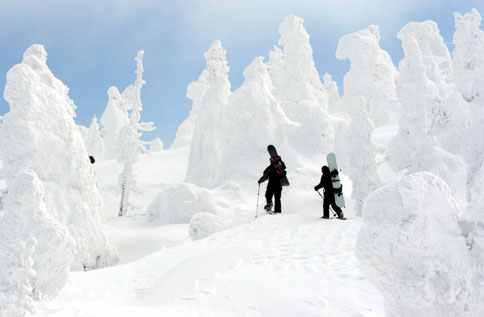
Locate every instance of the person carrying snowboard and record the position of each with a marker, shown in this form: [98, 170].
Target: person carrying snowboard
[327, 184]
[276, 174]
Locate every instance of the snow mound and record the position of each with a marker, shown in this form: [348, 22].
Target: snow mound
[39, 133]
[204, 224]
[178, 203]
[413, 249]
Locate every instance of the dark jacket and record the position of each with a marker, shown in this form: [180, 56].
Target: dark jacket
[326, 183]
[274, 172]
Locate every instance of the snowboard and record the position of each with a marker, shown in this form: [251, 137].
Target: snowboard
[337, 186]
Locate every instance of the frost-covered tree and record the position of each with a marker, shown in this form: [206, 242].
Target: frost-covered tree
[415, 147]
[412, 247]
[372, 73]
[434, 53]
[130, 144]
[25, 216]
[195, 92]
[253, 109]
[356, 152]
[299, 90]
[16, 277]
[473, 220]
[468, 63]
[39, 133]
[333, 93]
[204, 159]
[156, 145]
[446, 113]
[114, 118]
[468, 56]
[94, 141]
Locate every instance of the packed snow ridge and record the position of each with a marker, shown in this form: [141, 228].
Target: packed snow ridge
[408, 139]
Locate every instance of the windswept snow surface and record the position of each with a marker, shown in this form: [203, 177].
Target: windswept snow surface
[287, 265]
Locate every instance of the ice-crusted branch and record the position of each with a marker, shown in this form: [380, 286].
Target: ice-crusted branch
[130, 136]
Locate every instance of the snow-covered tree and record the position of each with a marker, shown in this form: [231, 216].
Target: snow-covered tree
[195, 92]
[299, 90]
[114, 118]
[253, 109]
[412, 247]
[94, 141]
[130, 144]
[333, 93]
[156, 145]
[468, 63]
[446, 113]
[473, 220]
[372, 73]
[16, 277]
[25, 216]
[39, 133]
[205, 147]
[468, 56]
[415, 147]
[356, 152]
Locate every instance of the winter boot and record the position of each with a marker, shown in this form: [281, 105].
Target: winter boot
[268, 207]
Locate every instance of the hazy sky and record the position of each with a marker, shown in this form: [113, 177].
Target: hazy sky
[92, 43]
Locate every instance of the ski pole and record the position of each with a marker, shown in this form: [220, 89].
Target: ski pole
[320, 194]
[257, 205]
[334, 212]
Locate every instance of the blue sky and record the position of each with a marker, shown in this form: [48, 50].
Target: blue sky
[92, 43]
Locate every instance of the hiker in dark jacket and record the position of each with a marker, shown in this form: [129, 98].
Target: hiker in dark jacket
[327, 184]
[276, 174]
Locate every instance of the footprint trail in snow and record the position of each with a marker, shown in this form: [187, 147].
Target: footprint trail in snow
[284, 265]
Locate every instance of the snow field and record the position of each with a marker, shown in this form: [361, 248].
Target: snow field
[285, 265]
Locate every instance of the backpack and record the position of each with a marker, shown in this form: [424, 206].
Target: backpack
[281, 172]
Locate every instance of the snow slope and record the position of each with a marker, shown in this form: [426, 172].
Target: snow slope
[152, 173]
[288, 265]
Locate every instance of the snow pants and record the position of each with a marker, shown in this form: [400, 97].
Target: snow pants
[276, 192]
[329, 201]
